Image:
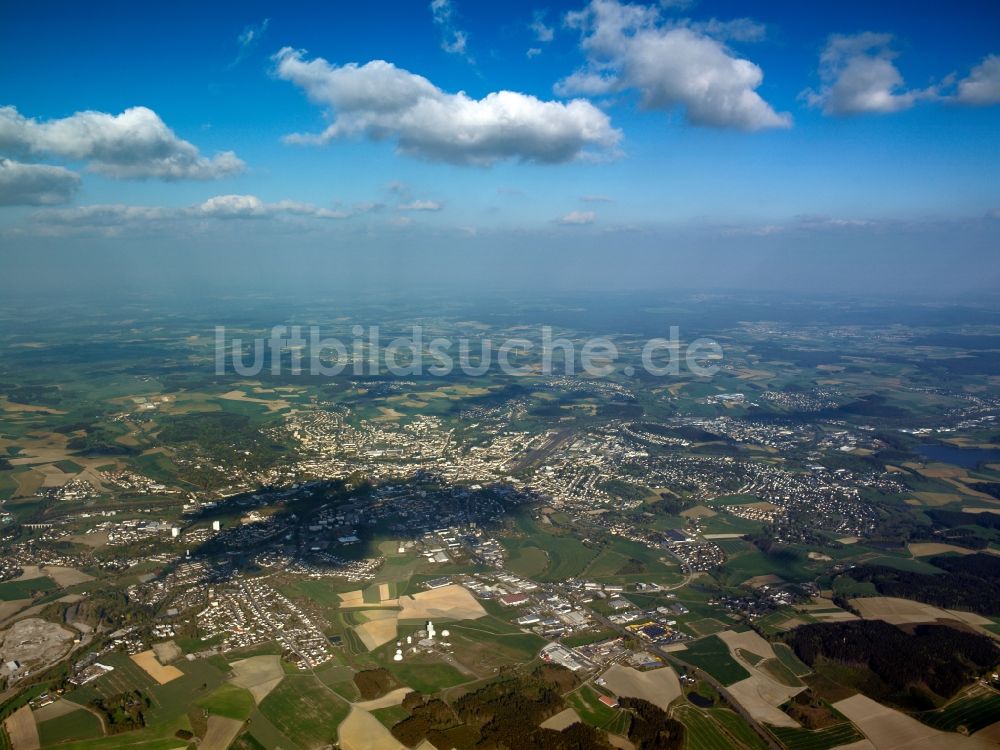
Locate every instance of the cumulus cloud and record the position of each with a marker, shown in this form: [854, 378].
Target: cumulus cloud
[380, 101]
[578, 218]
[133, 144]
[35, 184]
[982, 86]
[421, 205]
[671, 65]
[250, 206]
[859, 77]
[453, 39]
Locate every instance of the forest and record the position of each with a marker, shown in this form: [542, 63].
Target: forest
[935, 658]
[972, 583]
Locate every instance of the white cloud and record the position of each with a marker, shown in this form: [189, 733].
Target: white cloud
[532, 52]
[675, 65]
[736, 30]
[380, 101]
[578, 217]
[859, 77]
[453, 39]
[219, 207]
[250, 206]
[248, 39]
[35, 184]
[134, 144]
[596, 199]
[982, 86]
[421, 205]
[542, 32]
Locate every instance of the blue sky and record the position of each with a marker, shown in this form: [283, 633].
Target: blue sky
[817, 136]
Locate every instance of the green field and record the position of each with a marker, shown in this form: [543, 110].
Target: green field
[229, 701]
[426, 675]
[716, 729]
[795, 738]
[152, 737]
[545, 556]
[585, 700]
[390, 716]
[974, 712]
[200, 678]
[526, 560]
[750, 657]
[777, 669]
[26, 589]
[506, 641]
[790, 660]
[701, 733]
[587, 637]
[712, 655]
[736, 726]
[305, 710]
[76, 725]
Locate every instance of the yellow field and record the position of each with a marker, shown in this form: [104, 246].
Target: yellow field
[450, 602]
[904, 611]
[926, 549]
[379, 628]
[565, 718]
[888, 729]
[22, 730]
[258, 674]
[221, 733]
[148, 663]
[362, 731]
[658, 686]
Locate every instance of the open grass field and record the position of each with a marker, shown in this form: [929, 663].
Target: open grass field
[426, 674]
[493, 633]
[26, 588]
[526, 560]
[390, 716]
[817, 739]
[585, 699]
[776, 669]
[564, 556]
[587, 637]
[790, 660]
[973, 712]
[705, 626]
[75, 725]
[229, 701]
[261, 731]
[702, 733]
[152, 737]
[199, 678]
[748, 656]
[712, 655]
[306, 711]
[737, 728]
